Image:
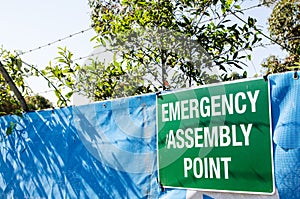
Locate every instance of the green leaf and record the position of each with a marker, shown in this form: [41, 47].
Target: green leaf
[103, 42]
[245, 74]
[10, 129]
[249, 57]
[235, 55]
[228, 3]
[237, 7]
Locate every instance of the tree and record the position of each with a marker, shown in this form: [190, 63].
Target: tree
[284, 29]
[8, 103]
[100, 81]
[95, 80]
[158, 45]
[284, 25]
[162, 36]
[37, 102]
[11, 80]
[268, 2]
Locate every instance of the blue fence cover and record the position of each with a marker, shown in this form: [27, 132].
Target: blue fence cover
[285, 103]
[108, 150]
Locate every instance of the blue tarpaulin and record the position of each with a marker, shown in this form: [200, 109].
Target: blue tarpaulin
[285, 98]
[108, 150]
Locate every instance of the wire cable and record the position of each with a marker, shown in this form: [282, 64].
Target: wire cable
[56, 41]
[90, 28]
[48, 80]
[91, 55]
[262, 33]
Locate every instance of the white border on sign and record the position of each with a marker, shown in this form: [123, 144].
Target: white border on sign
[271, 142]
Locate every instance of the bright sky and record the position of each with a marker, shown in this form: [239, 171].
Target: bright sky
[26, 25]
[29, 24]
[259, 54]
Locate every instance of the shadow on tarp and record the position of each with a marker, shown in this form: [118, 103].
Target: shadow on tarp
[44, 157]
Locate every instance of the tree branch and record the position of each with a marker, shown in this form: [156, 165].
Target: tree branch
[49, 82]
[13, 87]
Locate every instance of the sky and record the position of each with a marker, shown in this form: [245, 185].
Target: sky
[29, 24]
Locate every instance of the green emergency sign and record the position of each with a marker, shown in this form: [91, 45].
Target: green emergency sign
[216, 138]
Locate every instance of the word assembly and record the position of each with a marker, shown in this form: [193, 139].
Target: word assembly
[216, 136]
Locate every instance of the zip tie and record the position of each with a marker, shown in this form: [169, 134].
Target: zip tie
[266, 77]
[160, 185]
[296, 76]
[158, 94]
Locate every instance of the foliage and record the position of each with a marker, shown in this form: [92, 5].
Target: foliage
[167, 38]
[100, 81]
[95, 80]
[234, 76]
[8, 103]
[37, 102]
[284, 27]
[157, 45]
[61, 76]
[13, 65]
[17, 71]
[274, 65]
[268, 3]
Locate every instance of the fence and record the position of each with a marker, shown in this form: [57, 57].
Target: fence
[108, 150]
